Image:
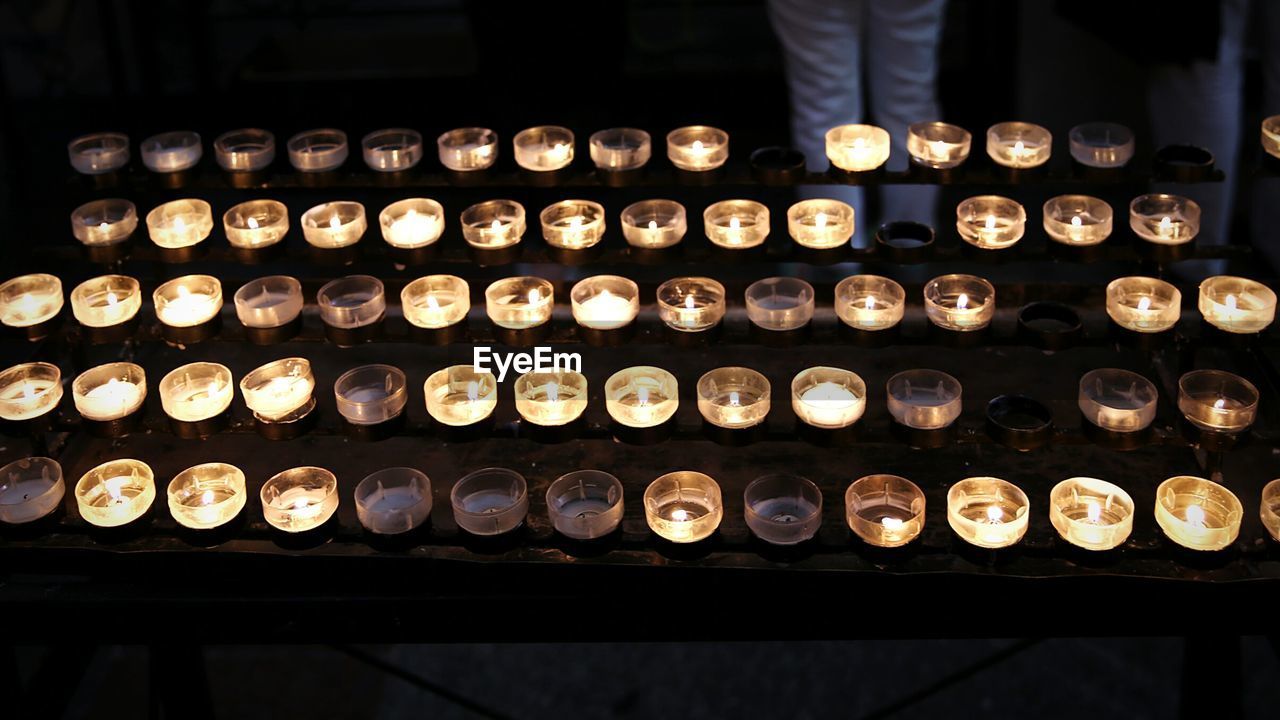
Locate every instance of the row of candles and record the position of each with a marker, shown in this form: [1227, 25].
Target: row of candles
[681, 507]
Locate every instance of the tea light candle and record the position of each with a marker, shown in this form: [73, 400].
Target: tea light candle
[1198, 514]
[517, 303]
[299, 499]
[104, 222]
[490, 502]
[1271, 135]
[938, 145]
[1077, 219]
[109, 392]
[1217, 401]
[1143, 304]
[30, 489]
[857, 148]
[352, 302]
[1019, 145]
[280, 390]
[394, 500]
[320, 150]
[336, 224]
[1117, 400]
[436, 301]
[585, 504]
[697, 148]
[115, 493]
[544, 148]
[180, 223]
[782, 509]
[188, 301]
[990, 222]
[172, 151]
[30, 300]
[468, 149]
[29, 390]
[884, 510]
[551, 398]
[924, 399]
[1101, 144]
[605, 302]
[820, 224]
[371, 394]
[572, 224]
[1090, 513]
[1164, 219]
[780, 303]
[641, 396]
[654, 224]
[683, 506]
[1270, 508]
[269, 302]
[256, 224]
[828, 397]
[412, 223]
[691, 304]
[962, 303]
[197, 391]
[459, 396]
[245, 150]
[987, 511]
[494, 224]
[619, 149]
[99, 153]
[208, 495]
[870, 302]
[1236, 304]
[733, 397]
[392, 149]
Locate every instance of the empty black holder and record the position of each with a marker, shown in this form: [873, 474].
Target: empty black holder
[1019, 422]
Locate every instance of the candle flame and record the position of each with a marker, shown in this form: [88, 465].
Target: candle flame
[1166, 225]
[688, 301]
[891, 523]
[178, 224]
[1094, 511]
[105, 226]
[553, 392]
[939, 148]
[473, 390]
[734, 399]
[335, 222]
[432, 303]
[252, 222]
[820, 220]
[115, 487]
[696, 146]
[995, 514]
[301, 503]
[183, 291]
[735, 223]
[206, 498]
[112, 299]
[29, 390]
[962, 302]
[534, 296]
[495, 225]
[1019, 148]
[1220, 403]
[642, 396]
[1231, 302]
[870, 303]
[1195, 515]
[1076, 221]
[991, 222]
[575, 222]
[653, 224]
[1144, 303]
[859, 143]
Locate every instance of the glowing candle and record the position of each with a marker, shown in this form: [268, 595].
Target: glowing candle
[106, 300]
[459, 396]
[691, 304]
[1019, 145]
[336, 224]
[733, 397]
[180, 223]
[206, 496]
[870, 302]
[115, 493]
[30, 489]
[468, 149]
[987, 511]
[605, 302]
[828, 397]
[962, 303]
[654, 224]
[1164, 219]
[573, 224]
[494, 224]
[1270, 507]
[109, 392]
[1077, 219]
[197, 391]
[256, 224]
[104, 222]
[1236, 304]
[820, 224]
[436, 301]
[683, 506]
[1197, 513]
[736, 224]
[519, 302]
[641, 396]
[299, 499]
[885, 510]
[618, 149]
[30, 300]
[1090, 513]
[857, 148]
[412, 223]
[990, 222]
[937, 144]
[188, 301]
[1142, 304]
[551, 398]
[1217, 401]
[544, 148]
[29, 390]
[280, 390]
[697, 148]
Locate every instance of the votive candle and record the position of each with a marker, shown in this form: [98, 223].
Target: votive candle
[29, 300]
[468, 149]
[924, 399]
[605, 302]
[828, 397]
[938, 145]
[517, 303]
[299, 499]
[269, 302]
[1236, 304]
[1019, 145]
[820, 224]
[1077, 219]
[411, 223]
[280, 390]
[256, 224]
[1217, 401]
[106, 300]
[990, 222]
[654, 224]
[697, 148]
[207, 495]
[1143, 304]
[459, 395]
[494, 224]
[551, 398]
[642, 396]
[572, 224]
[962, 303]
[544, 148]
[683, 506]
[436, 301]
[1198, 514]
[197, 391]
[857, 148]
[736, 224]
[188, 301]
[104, 222]
[691, 304]
[393, 500]
[335, 224]
[733, 397]
[884, 510]
[1117, 400]
[1164, 219]
[1090, 513]
[30, 489]
[115, 493]
[109, 392]
[618, 149]
[29, 390]
[870, 302]
[180, 223]
[988, 512]
[780, 303]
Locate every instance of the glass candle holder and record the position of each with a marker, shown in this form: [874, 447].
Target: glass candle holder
[962, 303]
[870, 302]
[605, 302]
[857, 148]
[188, 301]
[683, 506]
[780, 303]
[924, 399]
[517, 303]
[171, 151]
[99, 153]
[585, 504]
[618, 149]
[256, 224]
[104, 222]
[490, 502]
[1090, 513]
[551, 398]
[572, 224]
[109, 392]
[371, 394]
[197, 391]
[394, 500]
[884, 510]
[990, 222]
[1236, 304]
[29, 300]
[1077, 219]
[29, 390]
[1101, 144]
[468, 149]
[988, 512]
[544, 148]
[1164, 219]
[1117, 400]
[733, 397]
[269, 302]
[106, 300]
[1198, 514]
[336, 224]
[691, 304]
[280, 390]
[320, 150]
[642, 396]
[180, 223]
[352, 301]
[299, 499]
[115, 493]
[436, 301]
[1217, 401]
[1270, 136]
[1269, 509]
[459, 396]
[697, 148]
[654, 224]
[411, 223]
[828, 397]
[938, 145]
[1143, 304]
[736, 224]
[494, 224]
[30, 489]
[820, 224]
[392, 149]
[207, 496]
[1019, 145]
[245, 150]
[782, 509]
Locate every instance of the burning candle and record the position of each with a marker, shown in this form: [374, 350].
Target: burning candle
[641, 396]
[30, 300]
[990, 222]
[1090, 513]
[468, 149]
[691, 304]
[494, 224]
[459, 395]
[605, 302]
[938, 145]
[828, 397]
[884, 510]
[987, 511]
[336, 224]
[683, 506]
[371, 394]
[206, 496]
[1271, 135]
[180, 223]
[857, 148]
[188, 301]
[104, 222]
[115, 493]
[1217, 401]
[1143, 304]
[109, 392]
[820, 224]
[29, 390]
[962, 303]
[572, 224]
[619, 149]
[654, 224]
[1019, 145]
[733, 397]
[782, 509]
[870, 302]
[436, 301]
[256, 224]
[780, 303]
[1236, 304]
[245, 150]
[1101, 144]
[320, 150]
[412, 223]
[924, 399]
[697, 148]
[551, 398]
[544, 148]
[585, 504]
[1198, 514]
[172, 151]
[1270, 508]
[394, 500]
[1077, 219]
[490, 502]
[1117, 400]
[1164, 219]
[30, 489]
[197, 391]
[99, 153]
[299, 499]
[352, 302]
[517, 303]
[279, 391]
[392, 149]
[269, 302]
